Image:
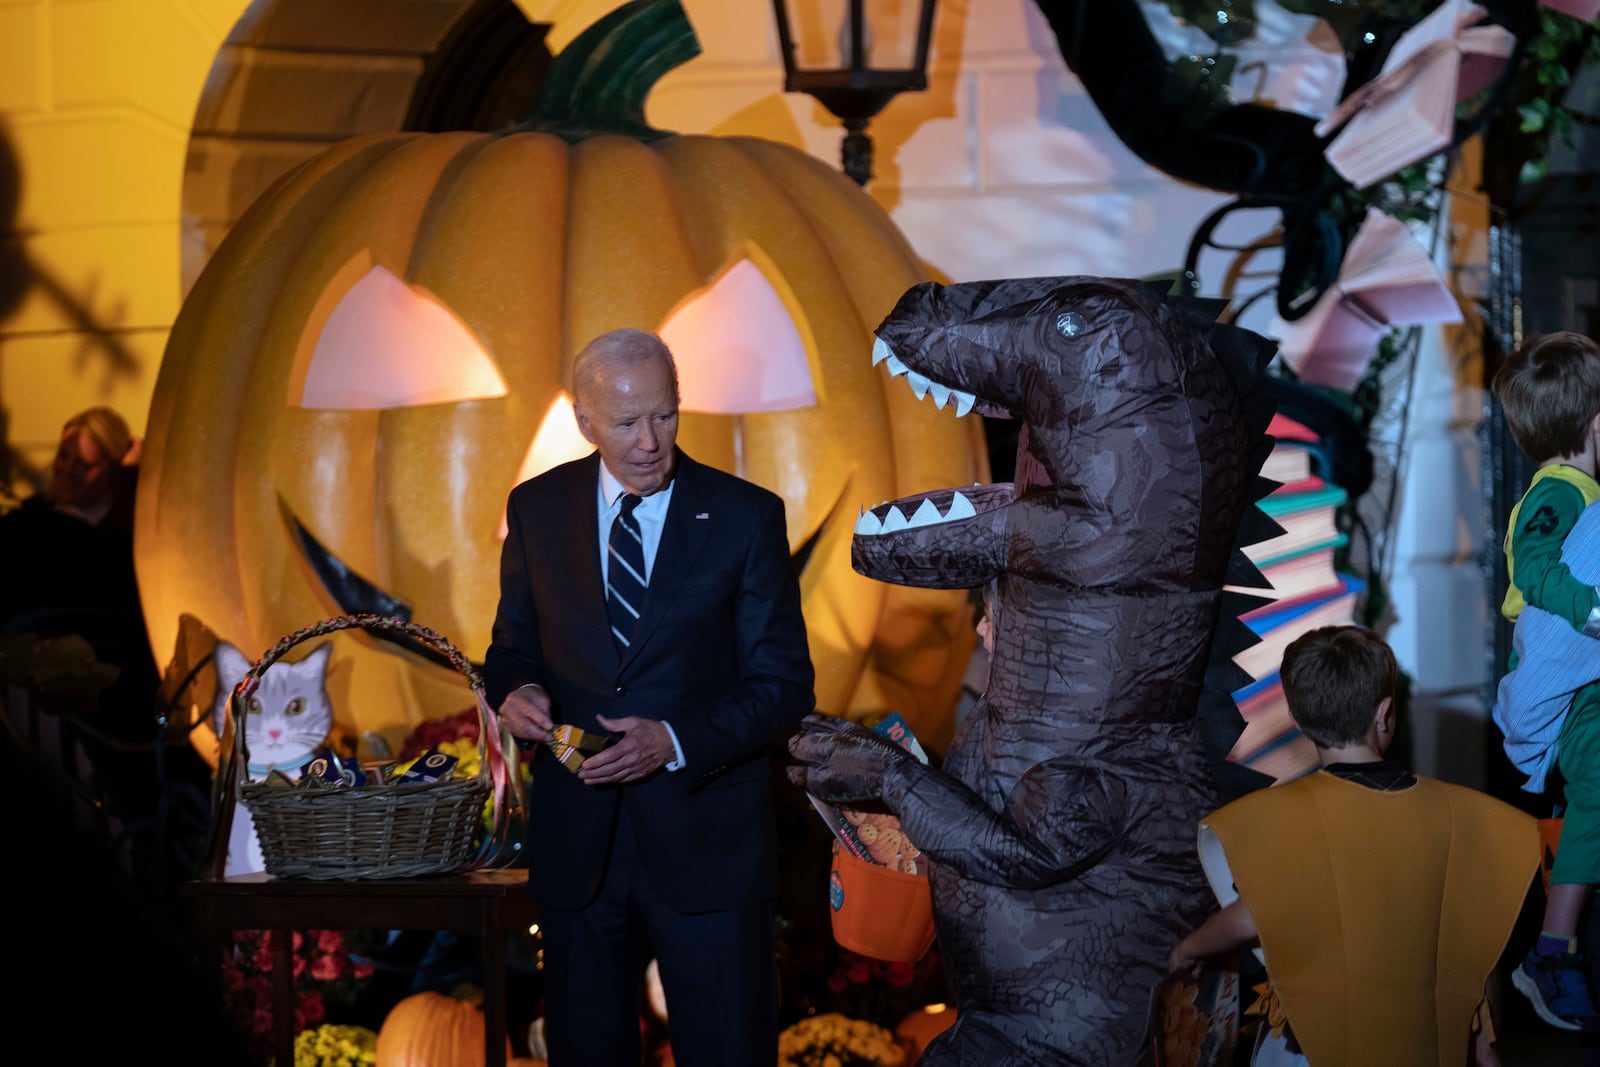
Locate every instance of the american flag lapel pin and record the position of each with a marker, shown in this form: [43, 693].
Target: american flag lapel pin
[703, 515]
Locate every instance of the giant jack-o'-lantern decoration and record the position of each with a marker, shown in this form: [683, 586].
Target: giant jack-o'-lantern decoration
[381, 347]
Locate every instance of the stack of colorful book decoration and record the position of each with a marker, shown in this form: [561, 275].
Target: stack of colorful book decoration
[1307, 592]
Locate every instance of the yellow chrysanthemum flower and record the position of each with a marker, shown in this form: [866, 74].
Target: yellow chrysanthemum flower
[832, 1040]
[335, 1046]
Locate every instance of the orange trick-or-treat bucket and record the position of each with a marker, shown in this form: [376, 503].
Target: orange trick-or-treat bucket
[879, 912]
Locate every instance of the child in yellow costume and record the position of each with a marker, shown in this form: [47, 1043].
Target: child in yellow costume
[1379, 900]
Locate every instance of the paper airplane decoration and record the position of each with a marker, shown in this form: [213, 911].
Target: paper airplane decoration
[1386, 280]
[1583, 10]
[1407, 113]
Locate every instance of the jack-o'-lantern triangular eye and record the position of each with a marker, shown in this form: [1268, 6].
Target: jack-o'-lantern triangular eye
[742, 343]
[381, 343]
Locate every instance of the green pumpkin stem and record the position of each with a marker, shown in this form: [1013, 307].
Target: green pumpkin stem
[599, 82]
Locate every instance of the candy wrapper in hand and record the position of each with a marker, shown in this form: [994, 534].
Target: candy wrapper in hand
[572, 745]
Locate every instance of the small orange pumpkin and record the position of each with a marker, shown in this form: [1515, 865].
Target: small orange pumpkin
[433, 1030]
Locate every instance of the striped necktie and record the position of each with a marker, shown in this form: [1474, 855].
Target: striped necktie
[625, 580]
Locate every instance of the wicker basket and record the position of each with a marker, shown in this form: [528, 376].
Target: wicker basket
[396, 830]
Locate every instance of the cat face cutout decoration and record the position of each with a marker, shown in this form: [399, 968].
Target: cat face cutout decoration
[286, 721]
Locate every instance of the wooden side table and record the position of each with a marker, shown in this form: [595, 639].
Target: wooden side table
[492, 903]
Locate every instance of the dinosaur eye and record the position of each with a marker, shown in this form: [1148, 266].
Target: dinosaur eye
[1070, 324]
[296, 706]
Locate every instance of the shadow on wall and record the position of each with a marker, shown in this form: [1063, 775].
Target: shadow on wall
[13, 283]
[98, 347]
[913, 112]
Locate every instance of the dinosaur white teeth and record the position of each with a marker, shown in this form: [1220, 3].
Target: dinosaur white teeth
[926, 515]
[960, 508]
[920, 384]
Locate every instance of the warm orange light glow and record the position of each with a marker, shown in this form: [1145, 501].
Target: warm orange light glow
[655, 995]
[557, 441]
[741, 344]
[391, 345]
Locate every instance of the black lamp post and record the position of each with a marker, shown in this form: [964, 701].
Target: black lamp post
[854, 91]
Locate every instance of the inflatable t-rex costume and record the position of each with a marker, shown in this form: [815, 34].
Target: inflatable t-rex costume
[1061, 827]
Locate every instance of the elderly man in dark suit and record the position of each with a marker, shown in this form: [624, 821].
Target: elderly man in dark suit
[651, 600]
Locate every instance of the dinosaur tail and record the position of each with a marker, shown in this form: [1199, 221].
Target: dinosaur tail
[1246, 355]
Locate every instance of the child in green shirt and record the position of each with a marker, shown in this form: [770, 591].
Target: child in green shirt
[1549, 390]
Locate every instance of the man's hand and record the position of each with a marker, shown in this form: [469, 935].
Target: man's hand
[645, 748]
[527, 712]
[841, 761]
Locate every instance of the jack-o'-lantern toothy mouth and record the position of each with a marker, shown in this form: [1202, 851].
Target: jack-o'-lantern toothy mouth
[353, 594]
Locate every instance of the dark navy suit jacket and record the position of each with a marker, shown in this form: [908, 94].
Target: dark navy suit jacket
[720, 653]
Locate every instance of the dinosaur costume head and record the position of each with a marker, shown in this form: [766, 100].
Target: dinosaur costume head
[1060, 828]
[1134, 460]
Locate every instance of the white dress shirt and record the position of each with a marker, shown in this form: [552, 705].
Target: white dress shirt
[651, 514]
